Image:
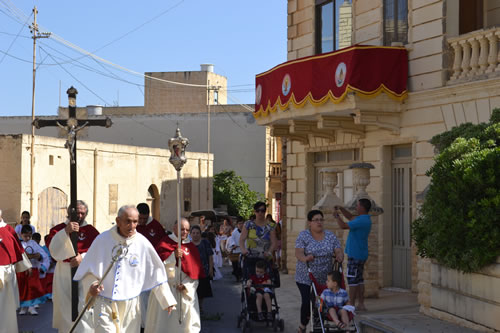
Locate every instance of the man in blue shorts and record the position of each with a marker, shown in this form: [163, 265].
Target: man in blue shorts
[356, 248]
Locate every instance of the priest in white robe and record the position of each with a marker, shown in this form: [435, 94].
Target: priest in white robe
[11, 259]
[61, 249]
[138, 269]
[185, 293]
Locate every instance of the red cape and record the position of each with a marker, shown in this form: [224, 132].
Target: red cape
[86, 236]
[10, 249]
[153, 231]
[191, 262]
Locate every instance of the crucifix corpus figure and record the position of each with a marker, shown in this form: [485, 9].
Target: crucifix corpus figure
[72, 125]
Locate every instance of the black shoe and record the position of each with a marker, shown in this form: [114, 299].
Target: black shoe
[260, 316]
[270, 316]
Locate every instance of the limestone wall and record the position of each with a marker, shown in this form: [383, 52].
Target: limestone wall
[10, 178]
[471, 300]
[123, 175]
[427, 114]
[426, 44]
[163, 97]
[368, 23]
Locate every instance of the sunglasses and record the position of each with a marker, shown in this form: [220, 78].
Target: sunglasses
[261, 210]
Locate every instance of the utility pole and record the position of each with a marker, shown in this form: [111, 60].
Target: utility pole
[36, 35]
[209, 88]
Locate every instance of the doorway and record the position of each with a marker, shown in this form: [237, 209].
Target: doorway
[401, 209]
[52, 209]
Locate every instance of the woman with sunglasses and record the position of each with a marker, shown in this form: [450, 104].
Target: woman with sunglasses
[258, 237]
[315, 247]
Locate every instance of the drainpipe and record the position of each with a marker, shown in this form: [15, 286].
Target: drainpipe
[284, 239]
[94, 196]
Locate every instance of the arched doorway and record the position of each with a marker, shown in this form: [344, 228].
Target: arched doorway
[153, 201]
[52, 206]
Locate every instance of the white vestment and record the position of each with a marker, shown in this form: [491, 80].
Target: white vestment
[9, 292]
[61, 249]
[158, 320]
[117, 308]
[32, 247]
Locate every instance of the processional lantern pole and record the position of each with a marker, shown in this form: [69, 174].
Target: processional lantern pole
[177, 146]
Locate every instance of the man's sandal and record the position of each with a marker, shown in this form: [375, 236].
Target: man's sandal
[301, 329]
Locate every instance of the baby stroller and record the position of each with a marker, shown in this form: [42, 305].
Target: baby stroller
[321, 321]
[248, 306]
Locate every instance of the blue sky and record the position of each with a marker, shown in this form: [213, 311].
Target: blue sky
[241, 38]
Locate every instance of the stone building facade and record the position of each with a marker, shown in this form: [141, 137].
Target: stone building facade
[109, 176]
[452, 78]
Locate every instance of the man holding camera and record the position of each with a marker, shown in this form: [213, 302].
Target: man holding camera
[356, 248]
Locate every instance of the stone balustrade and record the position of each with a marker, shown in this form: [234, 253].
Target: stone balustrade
[275, 169]
[475, 54]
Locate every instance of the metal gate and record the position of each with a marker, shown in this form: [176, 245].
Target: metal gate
[52, 209]
[401, 217]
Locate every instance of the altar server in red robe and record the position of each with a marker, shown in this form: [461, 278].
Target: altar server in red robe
[185, 292]
[61, 249]
[31, 291]
[11, 255]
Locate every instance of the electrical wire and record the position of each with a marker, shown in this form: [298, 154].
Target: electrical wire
[83, 84]
[14, 40]
[68, 44]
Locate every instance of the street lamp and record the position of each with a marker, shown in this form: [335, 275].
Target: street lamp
[177, 146]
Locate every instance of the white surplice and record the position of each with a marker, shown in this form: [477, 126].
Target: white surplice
[61, 249]
[117, 308]
[158, 320]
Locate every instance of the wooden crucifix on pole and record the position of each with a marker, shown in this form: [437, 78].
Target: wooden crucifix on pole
[72, 126]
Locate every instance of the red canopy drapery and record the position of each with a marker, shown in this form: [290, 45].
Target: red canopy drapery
[366, 70]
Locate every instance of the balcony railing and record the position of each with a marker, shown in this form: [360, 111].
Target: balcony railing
[275, 169]
[475, 54]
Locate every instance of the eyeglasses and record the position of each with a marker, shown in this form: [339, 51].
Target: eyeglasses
[318, 220]
[260, 211]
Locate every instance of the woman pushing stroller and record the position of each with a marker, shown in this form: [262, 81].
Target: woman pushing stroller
[314, 248]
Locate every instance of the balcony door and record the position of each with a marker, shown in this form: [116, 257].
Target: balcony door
[470, 16]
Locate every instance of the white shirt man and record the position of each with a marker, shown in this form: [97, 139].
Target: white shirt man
[185, 292]
[117, 301]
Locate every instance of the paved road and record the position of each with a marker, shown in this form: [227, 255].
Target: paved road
[221, 311]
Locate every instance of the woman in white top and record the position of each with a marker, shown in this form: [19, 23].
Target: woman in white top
[25, 219]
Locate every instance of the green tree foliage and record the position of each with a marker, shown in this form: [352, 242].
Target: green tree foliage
[231, 190]
[460, 218]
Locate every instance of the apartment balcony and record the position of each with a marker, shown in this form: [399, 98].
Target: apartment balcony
[342, 91]
[275, 170]
[475, 55]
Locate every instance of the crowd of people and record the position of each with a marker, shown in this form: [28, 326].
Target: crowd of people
[160, 277]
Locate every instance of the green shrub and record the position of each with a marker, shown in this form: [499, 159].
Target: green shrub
[459, 224]
[230, 189]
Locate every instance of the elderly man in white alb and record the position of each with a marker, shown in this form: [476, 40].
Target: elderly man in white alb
[138, 269]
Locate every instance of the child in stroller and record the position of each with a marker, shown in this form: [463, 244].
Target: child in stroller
[258, 283]
[261, 278]
[335, 298]
[331, 311]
